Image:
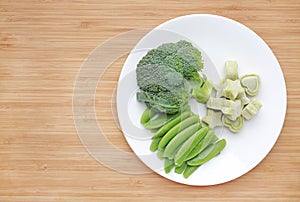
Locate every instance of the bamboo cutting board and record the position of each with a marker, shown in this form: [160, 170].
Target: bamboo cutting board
[43, 43]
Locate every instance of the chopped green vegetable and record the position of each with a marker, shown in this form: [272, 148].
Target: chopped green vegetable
[243, 98]
[231, 104]
[251, 109]
[250, 83]
[232, 109]
[234, 126]
[235, 111]
[213, 118]
[231, 70]
[203, 93]
[219, 104]
[232, 89]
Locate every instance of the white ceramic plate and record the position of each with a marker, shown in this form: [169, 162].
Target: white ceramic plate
[219, 39]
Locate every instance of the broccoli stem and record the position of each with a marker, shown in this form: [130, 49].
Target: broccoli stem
[202, 93]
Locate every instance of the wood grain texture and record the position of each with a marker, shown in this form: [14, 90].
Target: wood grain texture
[42, 46]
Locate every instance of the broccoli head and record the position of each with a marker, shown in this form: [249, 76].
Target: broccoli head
[162, 88]
[169, 75]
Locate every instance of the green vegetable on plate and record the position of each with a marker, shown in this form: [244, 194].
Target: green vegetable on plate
[208, 153]
[174, 144]
[177, 129]
[168, 76]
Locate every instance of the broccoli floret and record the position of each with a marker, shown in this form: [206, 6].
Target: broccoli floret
[181, 56]
[173, 69]
[162, 88]
[155, 77]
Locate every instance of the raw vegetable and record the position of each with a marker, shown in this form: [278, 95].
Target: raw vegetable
[250, 83]
[243, 98]
[231, 70]
[160, 154]
[179, 139]
[234, 125]
[251, 109]
[161, 120]
[168, 77]
[182, 142]
[232, 109]
[168, 126]
[181, 168]
[178, 129]
[231, 106]
[232, 89]
[207, 140]
[169, 164]
[154, 144]
[189, 145]
[208, 153]
[162, 88]
[147, 115]
[189, 170]
[213, 118]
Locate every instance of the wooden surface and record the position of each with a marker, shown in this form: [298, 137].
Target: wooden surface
[42, 46]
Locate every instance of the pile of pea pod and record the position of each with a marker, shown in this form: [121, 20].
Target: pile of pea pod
[181, 140]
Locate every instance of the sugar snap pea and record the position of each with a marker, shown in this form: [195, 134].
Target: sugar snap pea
[214, 150]
[161, 120]
[189, 170]
[147, 115]
[163, 130]
[177, 129]
[205, 152]
[160, 154]
[154, 130]
[208, 139]
[174, 144]
[172, 156]
[189, 145]
[181, 168]
[154, 144]
[168, 165]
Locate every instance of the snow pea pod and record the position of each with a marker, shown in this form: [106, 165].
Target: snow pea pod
[178, 140]
[177, 129]
[164, 129]
[181, 168]
[154, 144]
[189, 170]
[208, 139]
[189, 145]
[163, 119]
[213, 151]
[147, 115]
[160, 154]
[168, 165]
